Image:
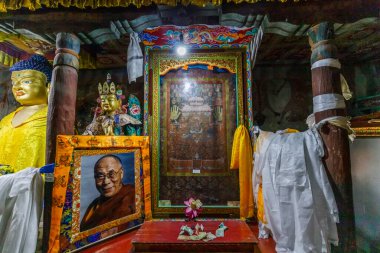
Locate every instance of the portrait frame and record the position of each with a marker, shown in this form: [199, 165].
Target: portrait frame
[366, 125]
[77, 172]
[367, 131]
[72, 152]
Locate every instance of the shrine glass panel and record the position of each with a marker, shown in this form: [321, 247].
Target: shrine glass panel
[197, 105]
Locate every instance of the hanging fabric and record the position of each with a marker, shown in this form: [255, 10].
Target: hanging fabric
[256, 177]
[241, 158]
[299, 204]
[20, 210]
[255, 44]
[332, 101]
[257, 180]
[135, 61]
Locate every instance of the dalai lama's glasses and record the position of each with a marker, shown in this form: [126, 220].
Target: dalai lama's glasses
[112, 175]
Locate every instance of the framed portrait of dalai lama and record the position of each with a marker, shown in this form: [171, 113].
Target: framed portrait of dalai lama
[110, 191]
[100, 188]
[197, 103]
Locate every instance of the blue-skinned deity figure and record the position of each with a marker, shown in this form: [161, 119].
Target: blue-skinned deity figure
[134, 110]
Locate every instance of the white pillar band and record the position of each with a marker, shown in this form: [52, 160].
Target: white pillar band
[329, 62]
[328, 101]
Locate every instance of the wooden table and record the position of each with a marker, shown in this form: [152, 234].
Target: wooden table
[161, 236]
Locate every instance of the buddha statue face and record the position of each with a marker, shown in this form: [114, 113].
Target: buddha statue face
[29, 87]
[109, 103]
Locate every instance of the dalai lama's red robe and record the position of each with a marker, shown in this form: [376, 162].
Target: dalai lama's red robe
[103, 210]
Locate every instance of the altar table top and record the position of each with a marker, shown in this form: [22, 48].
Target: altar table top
[161, 236]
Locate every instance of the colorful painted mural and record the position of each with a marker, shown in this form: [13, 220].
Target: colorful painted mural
[196, 34]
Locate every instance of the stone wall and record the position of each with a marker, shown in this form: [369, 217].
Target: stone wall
[282, 96]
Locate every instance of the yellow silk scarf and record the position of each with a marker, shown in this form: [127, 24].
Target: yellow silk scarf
[241, 158]
[23, 146]
[260, 206]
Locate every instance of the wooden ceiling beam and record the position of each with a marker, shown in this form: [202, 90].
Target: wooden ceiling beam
[309, 12]
[72, 19]
[302, 12]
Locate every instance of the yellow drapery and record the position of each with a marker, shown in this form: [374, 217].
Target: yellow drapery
[7, 60]
[21, 42]
[34, 5]
[23, 146]
[241, 158]
[260, 206]
[16, 41]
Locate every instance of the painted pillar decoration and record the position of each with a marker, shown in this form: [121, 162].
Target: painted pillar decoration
[329, 102]
[61, 108]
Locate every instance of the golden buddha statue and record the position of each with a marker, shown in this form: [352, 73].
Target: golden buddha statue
[112, 116]
[23, 132]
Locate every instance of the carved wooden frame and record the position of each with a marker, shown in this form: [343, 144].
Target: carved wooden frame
[64, 231]
[162, 61]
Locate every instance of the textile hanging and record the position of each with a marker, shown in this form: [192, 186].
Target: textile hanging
[332, 101]
[299, 202]
[257, 179]
[339, 121]
[135, 62]
[241, 158]
[82, 4]
[24, 145]
[255, 44]
[7, 60]
[20, 210]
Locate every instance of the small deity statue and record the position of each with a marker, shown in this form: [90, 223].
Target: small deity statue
[23, 132]
[111, 117]
[134, 110]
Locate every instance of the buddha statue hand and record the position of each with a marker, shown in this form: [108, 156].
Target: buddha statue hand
[107, 125]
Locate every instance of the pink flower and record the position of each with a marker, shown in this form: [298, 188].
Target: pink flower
[193, 208]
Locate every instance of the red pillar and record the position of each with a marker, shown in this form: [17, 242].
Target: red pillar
[326, 80]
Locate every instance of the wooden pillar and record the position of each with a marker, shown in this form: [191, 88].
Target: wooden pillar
[326, 80]
[61, 109]
[63, 91]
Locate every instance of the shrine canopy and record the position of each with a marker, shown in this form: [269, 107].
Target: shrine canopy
[82, 4]
[204, 37]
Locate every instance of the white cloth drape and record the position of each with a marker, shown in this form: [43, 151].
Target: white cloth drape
[255, 44]
[21, 196]
[299, 202]
[135, 61]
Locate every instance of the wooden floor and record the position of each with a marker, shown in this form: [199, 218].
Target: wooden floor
[122, 243]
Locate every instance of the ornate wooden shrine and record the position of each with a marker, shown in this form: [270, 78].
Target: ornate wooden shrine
[218, 70]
